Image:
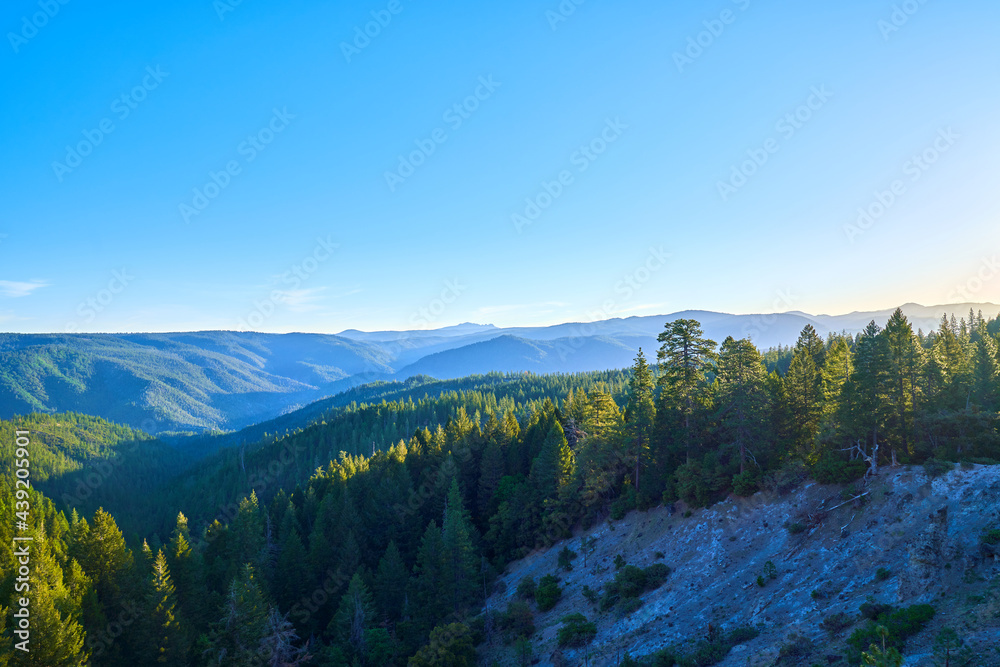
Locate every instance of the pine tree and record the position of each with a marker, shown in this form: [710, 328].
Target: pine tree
[355, 614]
[491, 471]
[903, 373]
[277, 646]
[804, 383]
[294, 579]
[742, 396]
[246, 535]
[57, 639]
[237, 636]
[640, 415]
[836, 371]
[390, 584]
[869, 386]
[428, 579]
[985, 371]
[169, 645]
[551, 469]
[459, 554]
[188, 570]
[685, 358]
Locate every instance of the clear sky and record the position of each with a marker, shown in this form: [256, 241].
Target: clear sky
[349, 190]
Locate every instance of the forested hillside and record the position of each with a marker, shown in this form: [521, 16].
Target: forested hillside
[374, 535]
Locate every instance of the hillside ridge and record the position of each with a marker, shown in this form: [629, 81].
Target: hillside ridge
[923, 531]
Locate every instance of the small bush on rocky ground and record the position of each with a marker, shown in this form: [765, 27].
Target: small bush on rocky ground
[526, 588]
[624, 504]
[746, 483]
[834, 624]
[548, 592]
[576, 631]
[797, 646]
[631, 582]
[992, 536]
[834, 470]
[703, 653]
[936, 468]
[517, 621]
[882, 574]
[566, 557]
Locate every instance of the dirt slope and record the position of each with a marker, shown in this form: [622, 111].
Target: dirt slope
[926, 532]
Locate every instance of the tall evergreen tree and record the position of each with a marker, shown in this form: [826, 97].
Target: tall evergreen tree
[640, 415]
[870, 406]
[428, 579]
[685, 357]
[742, 396]
[168, 646]
[551, 469]
[903, 379]
[355, 615]
[391, 581]
[237, 636]
[460, 558]
[57, 639]
[804, 384]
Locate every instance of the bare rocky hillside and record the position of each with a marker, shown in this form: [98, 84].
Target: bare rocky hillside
[912, 539]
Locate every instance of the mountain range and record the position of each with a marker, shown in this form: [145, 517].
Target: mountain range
[225, 380]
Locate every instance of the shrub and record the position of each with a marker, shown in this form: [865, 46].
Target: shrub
[874, 610]
[627, 605]
[761, 581]
[992, 536]
[834, 624]
[576, 631]
[619, 562]
[517, 621]
[658, 554]
[630, 582]
[453, 640]
[741, 634]
[785, 478]
[935, 467]
[590, 594]
[548, 592]
[795, 528]
[746, 483]
[526, 588]
[770, 570]
[656, 574]
[831, 470]
[882, 574]
[624, 504]
[566, 557]
[798, 646]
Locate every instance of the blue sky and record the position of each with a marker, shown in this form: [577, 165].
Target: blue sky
[651, 132]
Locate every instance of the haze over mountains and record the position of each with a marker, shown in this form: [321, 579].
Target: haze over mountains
[226, 380]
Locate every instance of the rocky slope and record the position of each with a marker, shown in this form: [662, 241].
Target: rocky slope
[925, 534]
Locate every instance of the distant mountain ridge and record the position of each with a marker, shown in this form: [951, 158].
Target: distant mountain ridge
[225, 380]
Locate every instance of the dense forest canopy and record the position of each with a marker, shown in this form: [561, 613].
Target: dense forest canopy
[372, 535]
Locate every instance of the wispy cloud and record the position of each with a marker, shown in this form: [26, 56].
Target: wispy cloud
[15, 289]
[301, 300]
